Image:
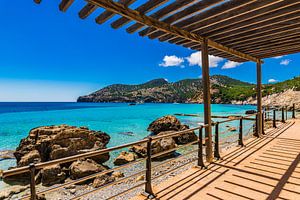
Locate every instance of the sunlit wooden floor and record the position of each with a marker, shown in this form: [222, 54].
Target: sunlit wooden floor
[267, 168]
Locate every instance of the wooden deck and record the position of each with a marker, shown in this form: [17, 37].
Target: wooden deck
[267, 168]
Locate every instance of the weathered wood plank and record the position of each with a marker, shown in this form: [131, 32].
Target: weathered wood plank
[87, 10]
[169, 9]
[280, 53]
[65, 4]
[148, 21]
[106, 15]
[182, 14]
[143, 9]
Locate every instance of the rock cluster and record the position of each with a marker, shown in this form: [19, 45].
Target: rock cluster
[162, 126]
[53, 142]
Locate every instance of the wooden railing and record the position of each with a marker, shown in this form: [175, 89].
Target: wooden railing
[271, 114]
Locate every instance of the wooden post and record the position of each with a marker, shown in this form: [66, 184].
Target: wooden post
[206, 100]
[274, 118]
[241, 142]
[148, 185]
[282, 115]
[293, 114]
[217, 142]
[259, 97]
[200, 149]
[32, 182]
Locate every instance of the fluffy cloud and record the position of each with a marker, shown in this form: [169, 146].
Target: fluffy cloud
[285, 62]
[195, 59]
[230, 64]
[272, 80]
[278, 57]
[171, 61]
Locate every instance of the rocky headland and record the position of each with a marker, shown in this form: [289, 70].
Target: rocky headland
[224, 90]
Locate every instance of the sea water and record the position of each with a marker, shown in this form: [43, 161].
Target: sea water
[17, 119]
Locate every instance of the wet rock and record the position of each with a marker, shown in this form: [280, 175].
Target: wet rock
[8, 192]
[52, 175]
[82, 168]
[102, 180]
[125, 158]
[166, 123]
[7, 154]
[250, 112]
[232, 129]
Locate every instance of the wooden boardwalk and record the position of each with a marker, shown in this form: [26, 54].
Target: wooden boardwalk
[267, 168]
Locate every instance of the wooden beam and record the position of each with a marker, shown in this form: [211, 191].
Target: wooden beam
[206, 100]
[143, 9]
[169, 9]
[87, 10]
[106, 15]
[182, 14]
[259, 99]
[65, 4]
[37, 1]
[148, 21]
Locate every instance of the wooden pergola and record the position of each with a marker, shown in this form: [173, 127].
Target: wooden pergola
[238, 30]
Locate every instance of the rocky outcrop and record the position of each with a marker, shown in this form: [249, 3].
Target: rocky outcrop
[125, 157]
[82, 168]
[54, 142]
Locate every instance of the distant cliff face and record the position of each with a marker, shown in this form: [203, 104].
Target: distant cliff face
[223, 90]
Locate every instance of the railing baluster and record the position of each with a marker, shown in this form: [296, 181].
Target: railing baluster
[148, 186]
[282, 115]
[32, 182]
[274, 118]
[216, 152]
[263, 124]
[241, 142]
[294, 114]
[200, 149]
[256, 126]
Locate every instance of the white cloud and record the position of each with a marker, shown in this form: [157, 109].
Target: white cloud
[272, 80]
[278, 57]
[166, 79]
[172, 61]
[231, 64]
[285, 62]
[195, 59]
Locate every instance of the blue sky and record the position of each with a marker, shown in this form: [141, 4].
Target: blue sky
[47, 55]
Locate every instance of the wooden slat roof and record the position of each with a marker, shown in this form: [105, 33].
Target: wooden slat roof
[239, 30]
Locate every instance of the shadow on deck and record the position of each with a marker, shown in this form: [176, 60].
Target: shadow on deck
[267, 168]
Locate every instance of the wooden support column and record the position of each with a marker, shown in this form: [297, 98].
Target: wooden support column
[259, 101]
[206, 100]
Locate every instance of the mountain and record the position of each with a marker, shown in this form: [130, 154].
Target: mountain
[223, 90]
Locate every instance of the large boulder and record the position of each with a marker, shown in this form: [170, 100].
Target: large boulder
[52, 175]
[82, 168]
[166, 123]
[125, 157]
[54, 142]
[170, 124]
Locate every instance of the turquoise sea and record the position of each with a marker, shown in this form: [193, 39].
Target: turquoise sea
[17, 119]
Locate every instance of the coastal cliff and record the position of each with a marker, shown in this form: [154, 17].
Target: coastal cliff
[223, 90]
